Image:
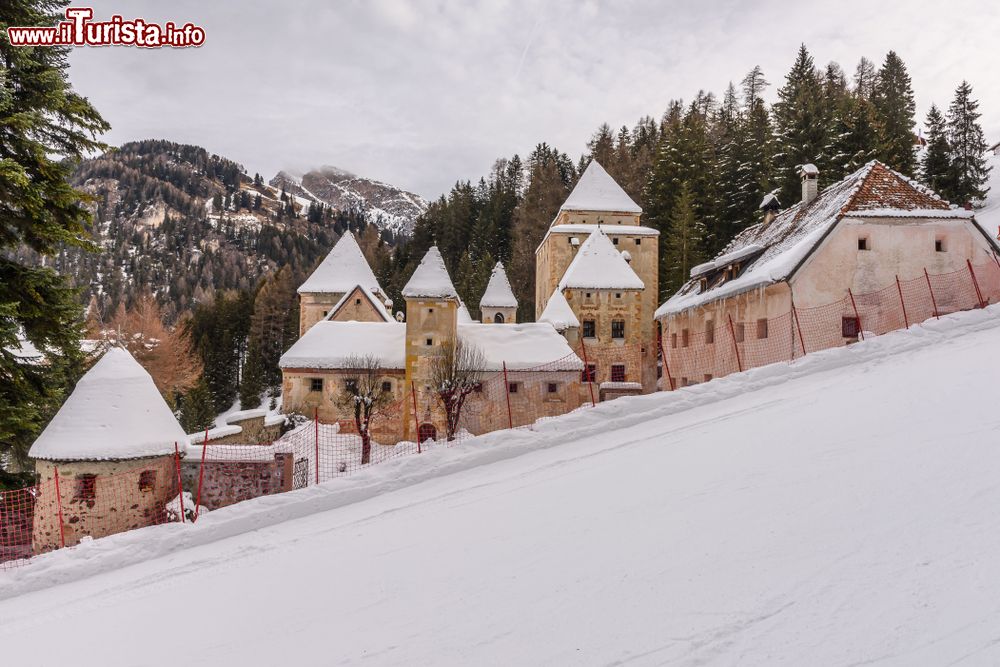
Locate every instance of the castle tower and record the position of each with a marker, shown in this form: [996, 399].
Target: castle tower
[498, 305]
[598, 202]
[432, 308]
[343, 269]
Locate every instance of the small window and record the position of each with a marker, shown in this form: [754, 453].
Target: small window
[387, 386]
[587, 295]
[589, 374]
[589, 329]
[325, 312]
[684, 337]
[357, 302]
[316, 384]
[702, 285]
[939, 245]
[638, 241]
[147, 480]
[673, 340]
[762, 328]
[617, 372]
[553, 387]
[863, 243]
[708, 377]
[351, 385]
[618, 295]
[86, 487]
[430, 311]
[850, 327]
[739, 332]
[618, 329]
[512, 387]
[428, 342]
[709, 332]
[478, 388]
[569, 240]
[615, 241]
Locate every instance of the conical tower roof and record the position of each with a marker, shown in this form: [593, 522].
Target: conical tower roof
[558, 313]
[114, 413]
[498, 292]
[431, 279]
[597, 191]
[344, 267]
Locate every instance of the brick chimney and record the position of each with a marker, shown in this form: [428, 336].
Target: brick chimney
[809, 174]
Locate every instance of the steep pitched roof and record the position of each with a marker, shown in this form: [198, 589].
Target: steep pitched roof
[498, 292]
[343, 268]
[371, 298]
[558, 313]
[597, 191]
[431, 279]
[114, 413]
[772, 253]
[599, 265]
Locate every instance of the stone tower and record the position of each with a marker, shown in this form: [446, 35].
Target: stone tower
[498, 305]
[432, 306]
[598, 201]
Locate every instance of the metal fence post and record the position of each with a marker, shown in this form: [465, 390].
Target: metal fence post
[975, 283]
[180, 487]
[416, 420]
[666, 366]
[62, 530]
[316, 431]
[906, 320]
[506, 391]
[201, 475]
[736, 349]
[931, 290]
[586, 370]
[798, 327]
[857, 316]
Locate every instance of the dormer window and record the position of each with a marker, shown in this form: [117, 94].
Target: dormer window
[703, 284]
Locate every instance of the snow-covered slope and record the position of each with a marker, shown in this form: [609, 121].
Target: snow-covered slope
[841, 510]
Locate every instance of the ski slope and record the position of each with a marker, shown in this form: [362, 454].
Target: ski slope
[841, 510]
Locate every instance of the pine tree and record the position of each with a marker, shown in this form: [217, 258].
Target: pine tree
[684, 243]
[46, 128]
[252, 380]
[892, 99]
[969, 169]
[854, 137]
[864, 79]
[197, 411]
[800, 124]
[935, 167]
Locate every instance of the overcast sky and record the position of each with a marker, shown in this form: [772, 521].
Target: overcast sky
[420, 94]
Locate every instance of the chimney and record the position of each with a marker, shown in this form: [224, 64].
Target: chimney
[810, 182]
[770, 206]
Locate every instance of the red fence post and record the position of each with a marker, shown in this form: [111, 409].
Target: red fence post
[798, 327]
[666, 366]
[586, 370]
[416, 420]
[201, 475]
[975, 283]
[180, 488]
[62, 532]
[906, 320]
[857, 316]
[732, 334]
[931, 290]
[316, 428]
[506, 391]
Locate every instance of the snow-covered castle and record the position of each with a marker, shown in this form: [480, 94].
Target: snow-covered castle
[596, 270]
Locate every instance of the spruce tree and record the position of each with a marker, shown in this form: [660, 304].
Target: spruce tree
[800, 120]
[684, 243]
[854, 137]
[935, 167]
[892, 99]
[252, 380]
[969, 169]
[46, 127]
[197, 411]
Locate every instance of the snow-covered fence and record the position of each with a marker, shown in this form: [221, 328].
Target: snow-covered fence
[737, 346]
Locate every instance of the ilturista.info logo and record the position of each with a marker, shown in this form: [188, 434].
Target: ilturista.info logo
[79, 30]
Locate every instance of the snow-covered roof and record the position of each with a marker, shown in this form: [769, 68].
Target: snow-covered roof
[808, 170]
[498, 292]
[431, 279]
[331, 344]
[380, 309]
[597, 191]
[114, 413]
[531, 345]
[558, 313]
[343, 268]
[599, 265]
[464, 316]
[781, 246]
[586, 229]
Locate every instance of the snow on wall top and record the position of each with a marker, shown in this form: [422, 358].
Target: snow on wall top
[431, 278]
[330, 345]
[599, 265]
[874, 190]
[343, 268]
[114, 413]
[498, 292]
[531, 345]
[597, 191]
[558, 313]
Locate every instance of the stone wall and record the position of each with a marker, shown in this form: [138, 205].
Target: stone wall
[232, 481]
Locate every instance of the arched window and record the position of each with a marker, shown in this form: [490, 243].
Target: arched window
[426, 432]
[498, 318]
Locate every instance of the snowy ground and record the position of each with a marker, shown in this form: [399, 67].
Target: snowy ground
[838, 511]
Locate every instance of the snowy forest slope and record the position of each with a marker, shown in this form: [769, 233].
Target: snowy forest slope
[838, 510]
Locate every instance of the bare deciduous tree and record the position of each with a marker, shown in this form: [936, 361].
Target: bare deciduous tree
[456, 372]
[366, 395]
